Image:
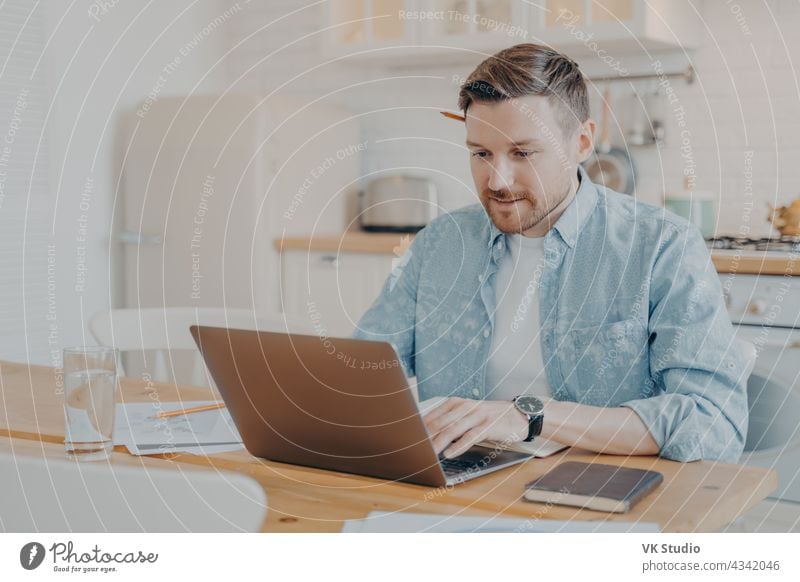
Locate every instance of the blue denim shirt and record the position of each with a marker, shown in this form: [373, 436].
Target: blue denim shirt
[631, 314]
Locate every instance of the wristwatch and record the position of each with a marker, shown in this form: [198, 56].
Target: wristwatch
[533, 408]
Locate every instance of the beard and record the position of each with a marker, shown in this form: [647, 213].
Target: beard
[522, 215]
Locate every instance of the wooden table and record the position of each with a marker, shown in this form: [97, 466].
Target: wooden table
[699, 496]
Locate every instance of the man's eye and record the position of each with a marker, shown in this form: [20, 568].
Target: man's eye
[480, 154]
[525, 154]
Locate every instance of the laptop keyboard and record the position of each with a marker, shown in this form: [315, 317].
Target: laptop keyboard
[453, 467]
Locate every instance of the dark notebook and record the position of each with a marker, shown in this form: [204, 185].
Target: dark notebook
[594, 486]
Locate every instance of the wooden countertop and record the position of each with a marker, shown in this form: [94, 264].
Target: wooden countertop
[699, 496]
[349, 242]
[746, 263]
[756, 263]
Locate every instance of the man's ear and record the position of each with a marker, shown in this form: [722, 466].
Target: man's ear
[586, 139]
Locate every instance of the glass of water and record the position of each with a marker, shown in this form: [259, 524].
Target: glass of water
[90, 386]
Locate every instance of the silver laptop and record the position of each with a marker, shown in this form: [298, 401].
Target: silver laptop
[334, 403]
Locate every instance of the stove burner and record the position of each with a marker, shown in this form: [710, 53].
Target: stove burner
[784, 244]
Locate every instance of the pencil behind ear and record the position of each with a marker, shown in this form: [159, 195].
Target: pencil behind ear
[453, 116]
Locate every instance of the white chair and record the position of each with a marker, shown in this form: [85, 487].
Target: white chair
[164, 331]
[46, 494]
[748, 351]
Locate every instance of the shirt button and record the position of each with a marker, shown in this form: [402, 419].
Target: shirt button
[499, 245]
[476, 392]
[486, 333]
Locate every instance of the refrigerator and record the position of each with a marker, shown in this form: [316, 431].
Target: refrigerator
[209, 182]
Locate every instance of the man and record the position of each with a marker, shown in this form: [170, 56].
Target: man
[557, 307]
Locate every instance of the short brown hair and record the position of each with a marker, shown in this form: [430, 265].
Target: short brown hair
[530, 69]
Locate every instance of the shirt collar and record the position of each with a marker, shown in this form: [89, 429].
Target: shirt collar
[494, 232]
[571, 222]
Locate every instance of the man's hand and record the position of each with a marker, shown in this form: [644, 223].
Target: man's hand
[468, 422]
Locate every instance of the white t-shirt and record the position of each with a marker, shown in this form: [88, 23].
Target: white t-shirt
[515, 363]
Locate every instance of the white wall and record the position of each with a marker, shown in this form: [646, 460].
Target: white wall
[99, 65]
[745, 100]
[27, 285]
[743, 113]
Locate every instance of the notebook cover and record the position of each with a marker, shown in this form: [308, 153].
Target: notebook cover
[593, 485]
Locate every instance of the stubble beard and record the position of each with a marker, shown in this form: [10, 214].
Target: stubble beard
[540, 209]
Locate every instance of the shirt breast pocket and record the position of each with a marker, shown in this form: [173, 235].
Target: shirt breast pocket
[605, 365]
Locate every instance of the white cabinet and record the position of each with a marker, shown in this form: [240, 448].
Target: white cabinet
[406, 32]
[462, 27]
[589, 27]
[332, 290]
[368, 23]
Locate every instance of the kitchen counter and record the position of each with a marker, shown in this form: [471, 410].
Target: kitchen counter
[744, 262]
[756, 263]
[349, 242]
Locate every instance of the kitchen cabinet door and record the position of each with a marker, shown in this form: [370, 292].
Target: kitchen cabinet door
[410, 32]
[556, 10]
[464, 22]
[331, 290]
[588, 12]
[367, 23]
[583, 28]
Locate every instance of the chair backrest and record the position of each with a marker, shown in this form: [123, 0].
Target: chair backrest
[157, 333]
[748, 351]
[42, 494]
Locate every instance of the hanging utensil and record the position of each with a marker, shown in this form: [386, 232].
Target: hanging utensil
[610, 166]
[655, 110]
[647, 125]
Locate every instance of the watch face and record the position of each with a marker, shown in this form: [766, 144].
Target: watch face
[530, 405]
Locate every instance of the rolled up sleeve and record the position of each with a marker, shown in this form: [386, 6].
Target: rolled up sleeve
[392, 316]
[697, 408]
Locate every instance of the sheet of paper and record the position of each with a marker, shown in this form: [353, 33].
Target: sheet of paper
[195, 450]
[403, 522]
[137, 427]
[538, 447]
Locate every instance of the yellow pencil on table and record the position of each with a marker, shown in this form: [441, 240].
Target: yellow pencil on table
[172, 413]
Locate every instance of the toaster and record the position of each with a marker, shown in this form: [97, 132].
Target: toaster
[397, 204]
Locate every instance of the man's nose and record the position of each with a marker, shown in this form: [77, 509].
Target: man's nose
[501, 176]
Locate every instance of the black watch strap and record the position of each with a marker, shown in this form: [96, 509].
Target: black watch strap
[535, 420]
[534, 426]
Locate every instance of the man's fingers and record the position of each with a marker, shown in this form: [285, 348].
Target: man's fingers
[453, 431]
[459, 409]
[439, 409]
[467, 440]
